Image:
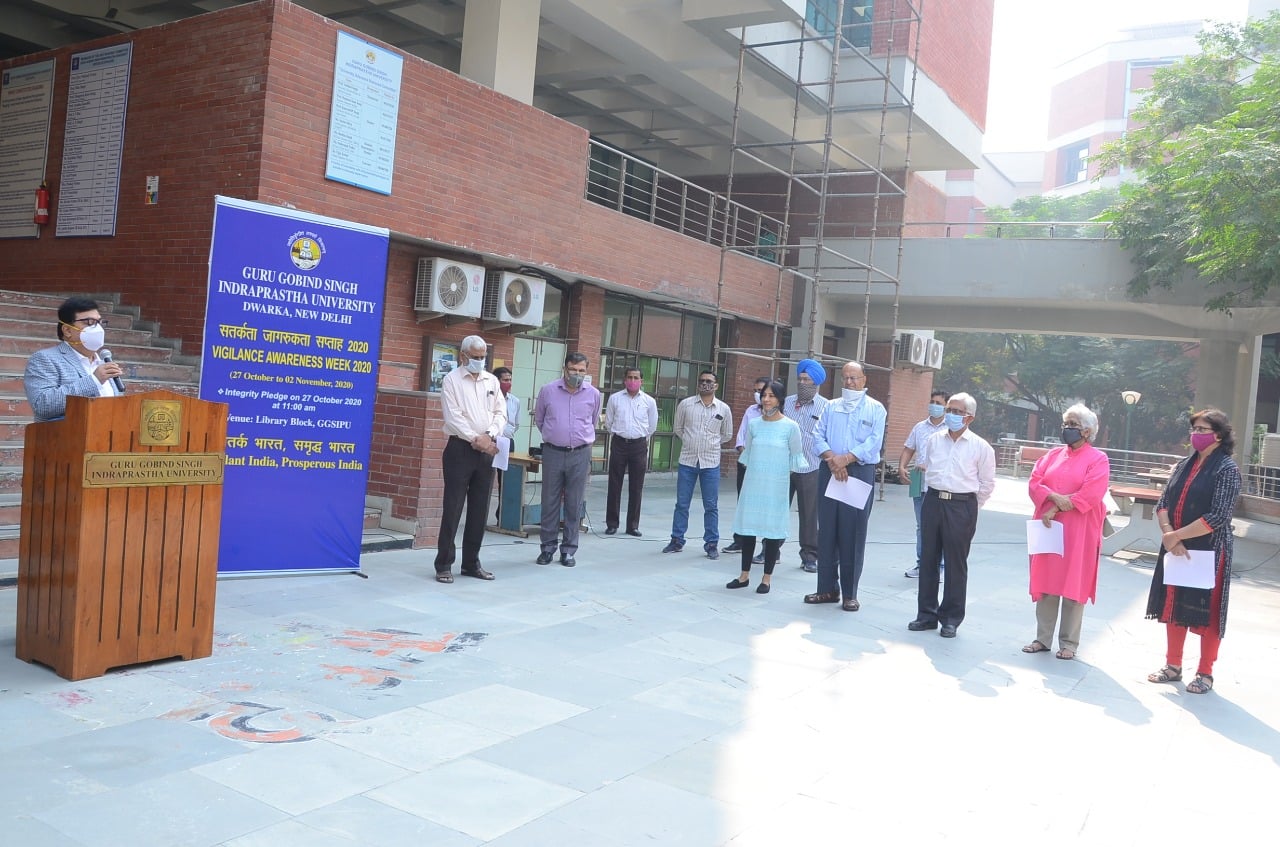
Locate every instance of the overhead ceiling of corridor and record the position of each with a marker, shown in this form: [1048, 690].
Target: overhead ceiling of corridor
[639, 74]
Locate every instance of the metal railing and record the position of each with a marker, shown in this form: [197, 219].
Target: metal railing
[637, 188]
[1007, 229]
[1126, 465]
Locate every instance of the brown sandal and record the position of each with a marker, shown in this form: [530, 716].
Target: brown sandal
[1066, 653]
[1202, 684]
[851, 605]
[1035, 647]
[823, 597]
[1166, 674]
[444, 576]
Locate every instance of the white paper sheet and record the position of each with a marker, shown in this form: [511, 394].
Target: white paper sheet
[852, 491]
[504, 453]
[1044, 539]
[1195, 572]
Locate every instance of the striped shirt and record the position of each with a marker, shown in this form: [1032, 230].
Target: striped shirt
[806, 417]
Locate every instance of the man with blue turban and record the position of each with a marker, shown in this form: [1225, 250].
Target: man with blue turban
[805, 407]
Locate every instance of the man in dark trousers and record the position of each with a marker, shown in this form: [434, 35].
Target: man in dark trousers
[475, 414]
[631, 416]
[959, 476]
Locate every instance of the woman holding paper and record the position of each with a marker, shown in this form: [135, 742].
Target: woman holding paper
[772, 450]
[1067, 486]
[1195, 514]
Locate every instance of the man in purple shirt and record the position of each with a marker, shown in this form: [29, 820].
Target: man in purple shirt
[565, 413]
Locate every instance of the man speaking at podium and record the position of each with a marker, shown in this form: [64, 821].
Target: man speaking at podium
[73, 367]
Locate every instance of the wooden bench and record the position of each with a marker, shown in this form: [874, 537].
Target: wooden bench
[1028, 456]
[1142, 523]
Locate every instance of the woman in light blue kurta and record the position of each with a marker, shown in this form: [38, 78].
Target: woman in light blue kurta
[774, 448]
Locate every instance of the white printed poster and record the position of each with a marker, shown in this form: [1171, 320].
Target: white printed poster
[26, 103]
[363, 115]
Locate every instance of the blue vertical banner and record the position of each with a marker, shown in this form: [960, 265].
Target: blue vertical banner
[293, 322]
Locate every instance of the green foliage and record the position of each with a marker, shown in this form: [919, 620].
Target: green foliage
[1080, 207]
[1010, 374]
[1207, 148]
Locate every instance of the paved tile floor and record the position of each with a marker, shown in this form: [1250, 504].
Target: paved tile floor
[633, 700]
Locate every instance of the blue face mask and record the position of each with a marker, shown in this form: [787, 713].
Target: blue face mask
[936, 410]
[955, 423]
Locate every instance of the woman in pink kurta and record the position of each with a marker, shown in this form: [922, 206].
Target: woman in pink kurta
[1068, 485]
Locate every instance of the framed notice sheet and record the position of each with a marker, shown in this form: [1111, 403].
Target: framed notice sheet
[363, 115]
[97, 100]
[26, 102]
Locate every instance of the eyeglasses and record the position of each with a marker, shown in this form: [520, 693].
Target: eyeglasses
[960, 412]
[706, 382]
[1201, 429]
[90, 322]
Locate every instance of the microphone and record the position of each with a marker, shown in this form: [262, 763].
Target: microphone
[105, 355]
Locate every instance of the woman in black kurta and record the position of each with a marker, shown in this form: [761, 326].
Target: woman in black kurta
[1195, 514]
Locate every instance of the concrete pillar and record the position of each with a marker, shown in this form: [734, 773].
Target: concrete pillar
[1227, 379]
[500, 45]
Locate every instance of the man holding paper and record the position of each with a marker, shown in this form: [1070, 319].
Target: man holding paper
[959, 476]
[1067, 487]
[848, 439]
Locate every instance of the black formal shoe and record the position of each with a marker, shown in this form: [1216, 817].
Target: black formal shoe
[544, 558]
[737, 583]
[634, 532]
[611, 530]
[567, 561]
[732, 548]
[921, 626]
[948, 631]
[477, 572]
[762, 588]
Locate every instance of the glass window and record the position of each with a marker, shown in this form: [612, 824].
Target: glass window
[698, 335]
[621, 323]
[1075, 163]
[659, 331]
[858, 14]
[553, 302]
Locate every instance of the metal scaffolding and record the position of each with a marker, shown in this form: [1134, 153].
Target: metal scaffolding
[843, 58]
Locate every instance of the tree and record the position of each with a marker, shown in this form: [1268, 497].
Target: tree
[1207, 149]
[1043, 208]
[1013, 374]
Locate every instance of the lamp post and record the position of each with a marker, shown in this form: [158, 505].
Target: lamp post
[1131, 399]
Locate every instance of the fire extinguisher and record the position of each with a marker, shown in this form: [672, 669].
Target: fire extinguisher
[42, 204]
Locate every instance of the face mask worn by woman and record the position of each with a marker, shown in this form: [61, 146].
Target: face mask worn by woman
[1201, 440]
[1071, 434]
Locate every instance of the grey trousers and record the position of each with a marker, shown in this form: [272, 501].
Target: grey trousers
[804, 487]
[564, 482]
[1047, 618]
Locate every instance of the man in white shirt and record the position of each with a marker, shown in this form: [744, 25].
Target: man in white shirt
[911, 472]
[631, 416]
[474, 415]
[959, 476]
[508, 431]
[703, 423]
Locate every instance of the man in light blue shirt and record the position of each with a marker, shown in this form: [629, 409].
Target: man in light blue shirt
[848, 439]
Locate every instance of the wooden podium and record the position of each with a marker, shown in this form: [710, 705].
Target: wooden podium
[118, 556]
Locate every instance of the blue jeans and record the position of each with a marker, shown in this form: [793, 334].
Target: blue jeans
[918, 502]
[708, 479]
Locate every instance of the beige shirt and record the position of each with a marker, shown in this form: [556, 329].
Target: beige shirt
[473, 404]
[701, 429]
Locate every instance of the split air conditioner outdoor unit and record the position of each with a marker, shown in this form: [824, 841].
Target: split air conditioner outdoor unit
[911, 349]
[933, 354]
[446, 287]
[513, 298]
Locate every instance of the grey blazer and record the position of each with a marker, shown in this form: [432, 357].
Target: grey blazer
[52, 375]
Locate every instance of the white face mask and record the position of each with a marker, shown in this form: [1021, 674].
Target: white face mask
[853, 395]
[476, 366]
[93, 337]
[757, 396]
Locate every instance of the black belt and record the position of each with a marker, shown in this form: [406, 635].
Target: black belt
[953, 495]
[565, 449]
[617, 437]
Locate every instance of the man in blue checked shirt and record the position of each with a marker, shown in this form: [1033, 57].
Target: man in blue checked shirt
[848, 439]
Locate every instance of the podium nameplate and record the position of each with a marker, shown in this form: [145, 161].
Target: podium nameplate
[119, 470]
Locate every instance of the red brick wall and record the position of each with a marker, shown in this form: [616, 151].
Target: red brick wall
[409, 475]
[955, 52]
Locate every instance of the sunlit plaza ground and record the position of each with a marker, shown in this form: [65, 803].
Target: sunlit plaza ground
[634, 700]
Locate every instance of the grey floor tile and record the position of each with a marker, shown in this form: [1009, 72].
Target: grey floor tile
[640, 665]
[127, 754]
[297, 778]
[504, 709]
[416, 739]
[25, 722]
[368, 823]
[570, 757]
[549, 832]
[476, 798]
[32, 780]
[665, 730]
[26, 831]
[180, 810]
[640, 811]
[583, 689]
